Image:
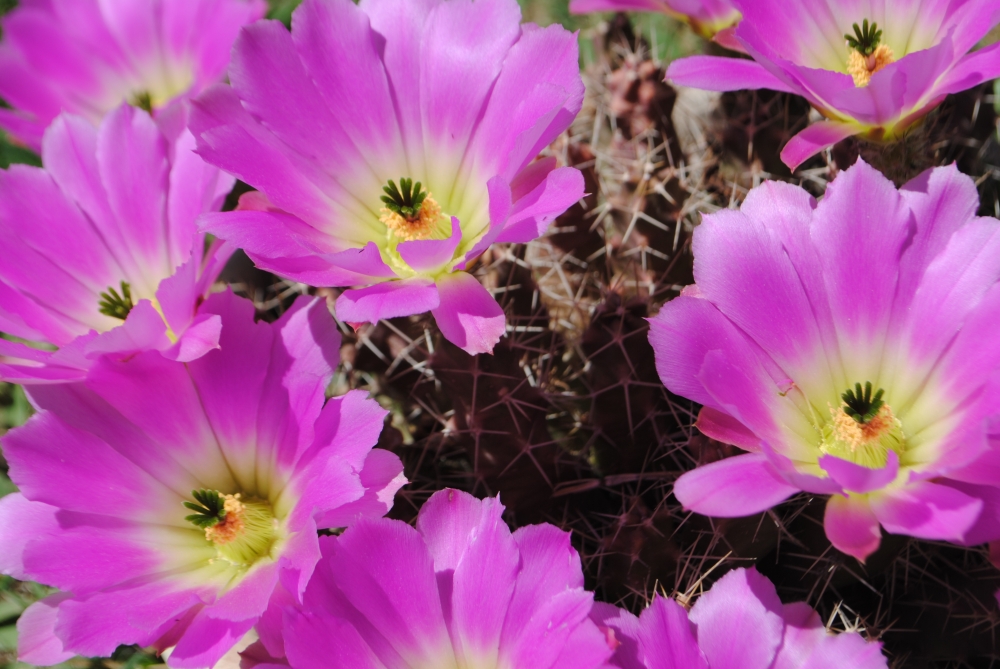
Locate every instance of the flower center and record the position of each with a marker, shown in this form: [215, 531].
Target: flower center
[868, 54]
[114, 304]
[142, 100]
[863, 430]
[243, 530]
[409, 212]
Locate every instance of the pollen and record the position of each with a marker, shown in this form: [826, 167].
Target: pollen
[864, 443]
[421, 225]
[232, 525]
[862, 67]
[858, 435]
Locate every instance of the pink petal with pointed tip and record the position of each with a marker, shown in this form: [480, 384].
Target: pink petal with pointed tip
[468, 315]
[851, 526]
[739, 623]
[927, 511]
[425, 255]
[734, 487]
[856, 478]
[718, 73]
[37, 643]
[722, 427]
[814, 139]
[390, 299]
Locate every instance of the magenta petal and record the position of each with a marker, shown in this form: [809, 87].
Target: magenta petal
[390, 299]
[739, 621]
[927, 511]
[206, 640]
[248, 599]
[534, 211]
[449, 521]
[98, 624]
[987, 526]
[365, 261]
[501, 202]
[143, 330]
[855, 478]
[20, 522]
[975, 68]
[37, 643]
[549, 566]
[851, 526]
[560, 636]
[382, 476]
[350, 425]
[586, 645]
[722, 427]
[478, 604]
[200, 337]
[621, 629]
[324, 642]
[718, 73]
[807, 644]
[749, 400]
[394, 589]
[685, 331]
[667, 638]
[818, 136]
[468, 315]
[734, 487]
[427, 255]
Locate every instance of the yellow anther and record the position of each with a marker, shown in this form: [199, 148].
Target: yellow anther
[422, 226]
[861, 67]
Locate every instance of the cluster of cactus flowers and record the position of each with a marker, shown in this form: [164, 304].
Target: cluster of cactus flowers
[525, 382]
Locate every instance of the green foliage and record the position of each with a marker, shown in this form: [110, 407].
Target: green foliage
[282, 10]
[11, 153]
[14, 408]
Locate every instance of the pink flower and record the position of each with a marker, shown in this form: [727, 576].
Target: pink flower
[458, 591]
[101, 250]
[168, 500]
[392, 142]
[871, 68]
[86, 57]
[739, 624]
[706, 17]
[850, 346]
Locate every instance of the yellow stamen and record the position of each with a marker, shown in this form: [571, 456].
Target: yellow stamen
[867, 444]
[857, 434]
[232, 525]
[861, 67]
[246, 534]
[421, 226]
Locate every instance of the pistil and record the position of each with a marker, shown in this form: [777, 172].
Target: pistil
[409, 212]
[868, 55]
[242, 530]
[863, 429]
[115, 304]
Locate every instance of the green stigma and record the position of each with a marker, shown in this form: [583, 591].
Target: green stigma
[114, 304]
[405, 200]
[862, 406]
[866, 38]
[209, 508]
[242, 530]
[143, 100]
